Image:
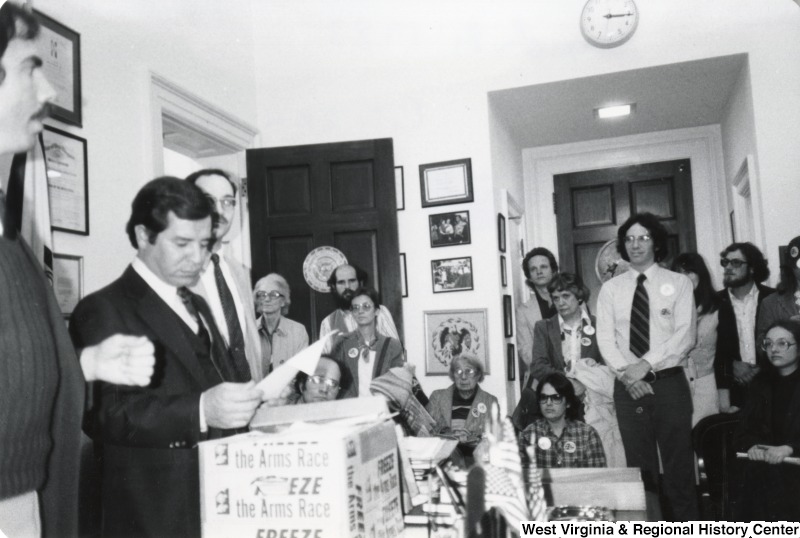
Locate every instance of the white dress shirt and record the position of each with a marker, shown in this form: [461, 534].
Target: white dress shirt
[673, 318]
[745, 312]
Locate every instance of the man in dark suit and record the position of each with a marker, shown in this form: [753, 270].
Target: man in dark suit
[149, 435]
[735, 363]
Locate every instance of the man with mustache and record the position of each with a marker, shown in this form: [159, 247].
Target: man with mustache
[344, 280]
[149, 435]
[224, 282]
[43, 381]
[735, 365]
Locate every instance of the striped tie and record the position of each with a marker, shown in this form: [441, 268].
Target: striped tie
[640, 319]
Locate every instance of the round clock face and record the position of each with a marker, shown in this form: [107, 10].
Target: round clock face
[609, 23]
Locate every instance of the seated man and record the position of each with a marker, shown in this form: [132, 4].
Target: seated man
[323, 386]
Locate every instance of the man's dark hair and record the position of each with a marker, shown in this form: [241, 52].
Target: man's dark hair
[15, 23]
[654, 228]
[539, 251]
[564, 387]
[361, 276]
[755, 259]
[788, 282]
[194, 176]
[159, 197]
[370, 292]
[301, 378]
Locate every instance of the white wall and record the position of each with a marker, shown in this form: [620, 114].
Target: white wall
[203, 46]
[420, 72]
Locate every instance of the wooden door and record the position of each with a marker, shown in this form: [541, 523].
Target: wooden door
[591, 205]
[340, 195]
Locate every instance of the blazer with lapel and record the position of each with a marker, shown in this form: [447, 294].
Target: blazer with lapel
[244, 288]
[440, 407]
[728, 343]
[547, 354]
[149, 434]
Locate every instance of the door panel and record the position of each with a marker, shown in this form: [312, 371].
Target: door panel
[591, 206]
[341, 195]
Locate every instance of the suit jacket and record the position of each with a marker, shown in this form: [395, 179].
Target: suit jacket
[244, 287]
[728, 343]
[527, 315]
[755, 426]
[547, 356]
[149, 435]
[389, 354]
[440, 407]
[777, 306]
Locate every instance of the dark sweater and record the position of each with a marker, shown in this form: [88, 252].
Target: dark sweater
[29, 374]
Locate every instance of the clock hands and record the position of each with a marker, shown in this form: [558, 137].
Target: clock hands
[611, 16]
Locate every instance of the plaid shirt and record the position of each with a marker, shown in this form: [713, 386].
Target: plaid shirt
[578, 446]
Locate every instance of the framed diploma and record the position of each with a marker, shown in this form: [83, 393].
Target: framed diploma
[67, 281]
[67, 181]
[444, 183]
[60, 50]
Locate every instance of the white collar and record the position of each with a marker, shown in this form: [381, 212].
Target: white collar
[167, 292]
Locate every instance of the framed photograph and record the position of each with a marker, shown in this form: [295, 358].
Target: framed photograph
[60, 50]
[444, 183]
[501, 232]
[511, 361]
[448, 333]
[67, 181]
[503, 273]
[453, 274]
[403, 277]
[67, 281]
[399, 188]
[508, 317]
[447, 229]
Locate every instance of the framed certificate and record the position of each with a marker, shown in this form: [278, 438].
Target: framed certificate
[67, 281]
[444, 183]
[67, 181]
[60, 50]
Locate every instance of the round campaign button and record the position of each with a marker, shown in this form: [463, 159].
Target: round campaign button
[569, 447]
[588, 330]
[481, 407]
[586, 342]
[475, 412]
[353, 353]
[667, 289]
[544, 443]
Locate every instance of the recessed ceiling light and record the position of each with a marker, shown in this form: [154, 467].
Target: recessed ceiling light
[614, 111]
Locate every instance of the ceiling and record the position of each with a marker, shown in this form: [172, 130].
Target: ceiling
[687, 94]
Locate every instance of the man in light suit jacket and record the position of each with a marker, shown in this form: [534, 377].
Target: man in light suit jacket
[233, 308]
[149, 435]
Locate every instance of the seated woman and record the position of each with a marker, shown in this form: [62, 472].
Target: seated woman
[769, 431]
[365, 353]
[463, 408]
[281, 337]
[559, 439]
[323, 386]
[566, 343]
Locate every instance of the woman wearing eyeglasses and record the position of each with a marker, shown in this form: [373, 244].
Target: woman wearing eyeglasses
[463, 407]
[365, 352]
[559, 438]
[769, 431]
[281, 338]
[323, 386]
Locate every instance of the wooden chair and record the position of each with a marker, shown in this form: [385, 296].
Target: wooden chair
[712, 438]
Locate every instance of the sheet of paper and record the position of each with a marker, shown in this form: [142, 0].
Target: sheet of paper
[304, 361]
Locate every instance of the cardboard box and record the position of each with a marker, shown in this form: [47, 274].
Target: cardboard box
[322, 481]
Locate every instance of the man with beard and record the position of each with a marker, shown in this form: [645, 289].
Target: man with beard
[735, 363]
[344, 280]
[225, 283]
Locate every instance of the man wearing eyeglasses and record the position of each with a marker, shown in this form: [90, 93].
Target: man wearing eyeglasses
[735, 365]
[646, 324]
[225, 283]
[281, 337]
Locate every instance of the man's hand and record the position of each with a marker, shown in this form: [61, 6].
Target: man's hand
[635, 372]
[283, 397]
[743, 373]
[231, 405]
[120, 359]
[639, 388]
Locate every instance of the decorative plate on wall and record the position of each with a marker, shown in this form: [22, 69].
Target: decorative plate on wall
[318, 266]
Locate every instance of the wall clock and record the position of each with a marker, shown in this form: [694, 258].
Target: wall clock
[609, 23]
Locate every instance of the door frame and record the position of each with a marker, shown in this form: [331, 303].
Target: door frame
[702, 145]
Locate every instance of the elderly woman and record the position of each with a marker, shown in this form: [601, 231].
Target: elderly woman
[365, 353]
[281, 338]
[323, 386]
[558, 438]
[769, 431]
[463, 408]
[567, 344]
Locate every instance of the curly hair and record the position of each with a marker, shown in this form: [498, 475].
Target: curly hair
[755, 259]
[654, 227]
[572, 283]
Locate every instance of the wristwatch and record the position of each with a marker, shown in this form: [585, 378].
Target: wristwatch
[650, 376]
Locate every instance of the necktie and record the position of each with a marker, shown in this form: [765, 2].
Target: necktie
[640, 319]
[217, 353]
[235, 335]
